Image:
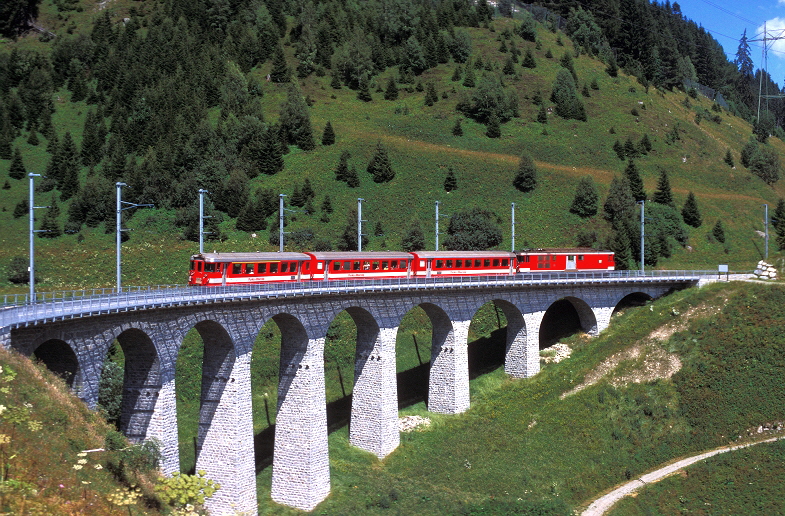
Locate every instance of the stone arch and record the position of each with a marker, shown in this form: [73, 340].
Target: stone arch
[515, 330]
[59, 358]
[141, 384]
[564, 317]
[630, 300]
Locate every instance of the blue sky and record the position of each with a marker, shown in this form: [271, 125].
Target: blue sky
[727, 19]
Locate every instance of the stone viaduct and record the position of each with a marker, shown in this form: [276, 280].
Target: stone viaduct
[150, 335]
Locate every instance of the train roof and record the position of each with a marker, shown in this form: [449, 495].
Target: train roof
[363, 255]
[564, 250]
[464, 254]
[251, 257]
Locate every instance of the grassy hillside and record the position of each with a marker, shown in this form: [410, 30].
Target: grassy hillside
[421, 147]
[51, 450]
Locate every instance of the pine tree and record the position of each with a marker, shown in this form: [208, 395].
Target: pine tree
[391, 93]
[662, 195]
[456, 74]
[335, 83]
[307, 190]
[526, 178]
[32, 138]
[17, 170]
[270, 159]
[296, 121]
[568, 105]
[566, 62]
[327, 205]
[743, 59]
[629, 148]
[280, 71]
[50, 225]
[450, 182]
[542, 114]
[644, 146]
[457, 130]
[619, 201]
[494, 129]
[352, 178]
[379, 166]
[634, 179]
[618, 148]
[528, 60]
[729, 159]
[690, 212]
[718, 232]
[342, 170]
[586, 199]
[328, 136]
[252, 217]
[414, 239]
[297, 200]
[509, 67]
[778, 221]
[430, 95]
[68, 163]
[468, 79]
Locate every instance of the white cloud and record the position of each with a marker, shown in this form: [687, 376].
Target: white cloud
[775, 28]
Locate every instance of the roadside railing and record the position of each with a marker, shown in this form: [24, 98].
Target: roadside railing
[18, 309]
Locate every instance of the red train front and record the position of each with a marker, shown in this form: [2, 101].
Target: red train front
[570, 259]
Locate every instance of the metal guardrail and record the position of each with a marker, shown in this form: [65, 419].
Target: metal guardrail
[17, 309]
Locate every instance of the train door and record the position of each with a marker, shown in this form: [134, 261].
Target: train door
[570, 262]
[224, 268]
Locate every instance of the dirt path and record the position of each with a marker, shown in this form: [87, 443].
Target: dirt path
[605, 502]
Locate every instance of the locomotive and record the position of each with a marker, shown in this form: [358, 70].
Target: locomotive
[221, 269]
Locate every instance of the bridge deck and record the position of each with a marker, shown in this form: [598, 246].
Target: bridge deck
[17, 310]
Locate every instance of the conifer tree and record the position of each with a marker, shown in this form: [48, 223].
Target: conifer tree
[528, 60]
[391, 92]
[50, 225]
[414, 238]
[296, 121]
[509, 67]
[586, 199]
[270, 159]
[468, 79]
[644, 146]
[327, 205]
[568, 105]
[663, 195]
[542, 115]
[634, 179]
[729, 159]
[297, 200]
[619, 201]
[618, 148]
[17, 170]
[328, 136]
[342, 170]
[280, 71]
[629, 149]
[778, 221]
[363, 91]
[352, 178]
[457, 130]
[32, 138]
[68, 164]
[252, 217]
[690, 212]
[430, 95]
[379, 166]
[718, 232]
[526, 177]
[494, 128]
[456, 74]
[450, 182]
[566, 62]
[307, 190]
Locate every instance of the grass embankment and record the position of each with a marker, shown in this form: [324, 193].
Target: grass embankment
[528, 444]
[422, 148]
[45, 433]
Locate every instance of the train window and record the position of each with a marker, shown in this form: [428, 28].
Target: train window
[458, 264]
[366, 266]
[336, 266]
[193, 265]
[553, 257]
[307, 266]
[478, 263]
[248, 268]
[394, 264]
[273, 268]
[495, 262]
[237, 268]
[293, 267]
[209, 267]
[385, 265]
[540, 258]
[262, 268]
[580, 257]
[199, 266]
[347, 266]
[375, 266]
[486, 262]
[505, 262]
[448, 264]
[439, 264]
[356, 266]
[284, 266]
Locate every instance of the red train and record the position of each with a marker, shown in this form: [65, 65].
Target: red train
[216, 269]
